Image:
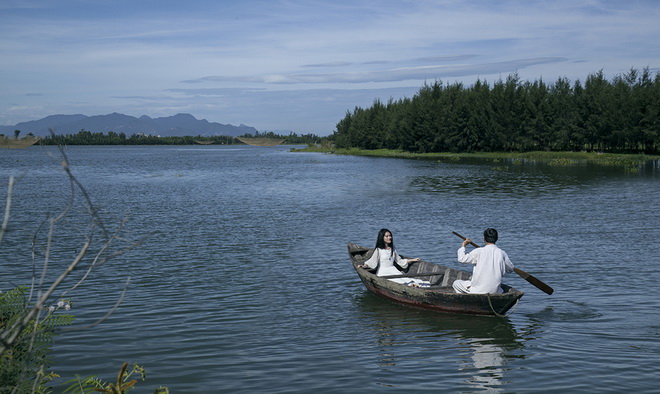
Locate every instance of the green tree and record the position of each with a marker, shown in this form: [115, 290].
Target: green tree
[621, 115]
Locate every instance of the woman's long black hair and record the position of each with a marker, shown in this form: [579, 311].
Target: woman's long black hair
[380, 241]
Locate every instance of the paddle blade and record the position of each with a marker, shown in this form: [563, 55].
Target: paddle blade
[533, 280]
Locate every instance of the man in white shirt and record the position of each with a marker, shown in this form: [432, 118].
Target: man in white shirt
[490, 265]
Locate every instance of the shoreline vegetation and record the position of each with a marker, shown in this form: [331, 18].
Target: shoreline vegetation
[85, 137]
[551, 158]
[599, 121]
[261, 141]
[617, 116]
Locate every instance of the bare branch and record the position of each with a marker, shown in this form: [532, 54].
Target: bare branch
[98, 261]
[92, 209]
[107, 315]
[10, 189]
[10, 335]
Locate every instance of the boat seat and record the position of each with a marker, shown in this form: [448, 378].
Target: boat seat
[446, 278]
[436, 278]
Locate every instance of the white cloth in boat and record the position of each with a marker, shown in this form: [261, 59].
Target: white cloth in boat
[384, 259]
[490, 265]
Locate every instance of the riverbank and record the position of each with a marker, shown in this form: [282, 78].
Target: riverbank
[9, 143]
[551, 158]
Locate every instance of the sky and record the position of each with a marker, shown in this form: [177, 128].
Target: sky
[298, 66]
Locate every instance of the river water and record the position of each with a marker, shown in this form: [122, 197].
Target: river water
[244, 283]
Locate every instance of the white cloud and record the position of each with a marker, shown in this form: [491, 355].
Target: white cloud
[417, 73]
[79, 57]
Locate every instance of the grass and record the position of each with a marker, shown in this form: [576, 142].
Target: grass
[551, 158]
[15, 143]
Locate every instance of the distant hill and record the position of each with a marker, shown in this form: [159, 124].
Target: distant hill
[171, 126]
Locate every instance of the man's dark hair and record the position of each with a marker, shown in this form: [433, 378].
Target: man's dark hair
[490, 235]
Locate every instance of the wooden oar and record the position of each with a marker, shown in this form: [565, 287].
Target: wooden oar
[528, 277]
[412, 275]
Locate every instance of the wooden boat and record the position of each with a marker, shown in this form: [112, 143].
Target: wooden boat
[440, 296]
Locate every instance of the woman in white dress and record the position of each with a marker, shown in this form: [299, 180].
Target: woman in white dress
[386, 259]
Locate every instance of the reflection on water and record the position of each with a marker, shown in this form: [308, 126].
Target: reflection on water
[491, 342]
[532, 179]
[483, 344]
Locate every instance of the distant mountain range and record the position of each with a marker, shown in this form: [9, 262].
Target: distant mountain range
[171, 126]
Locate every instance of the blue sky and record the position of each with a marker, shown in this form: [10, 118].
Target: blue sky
[297, 65]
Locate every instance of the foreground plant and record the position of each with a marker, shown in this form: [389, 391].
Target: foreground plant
[23, 367]
[120, 386]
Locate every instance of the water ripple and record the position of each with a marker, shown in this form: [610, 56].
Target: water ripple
[245, 284]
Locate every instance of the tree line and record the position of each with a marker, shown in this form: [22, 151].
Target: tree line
[621, 115]
[85, 137]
